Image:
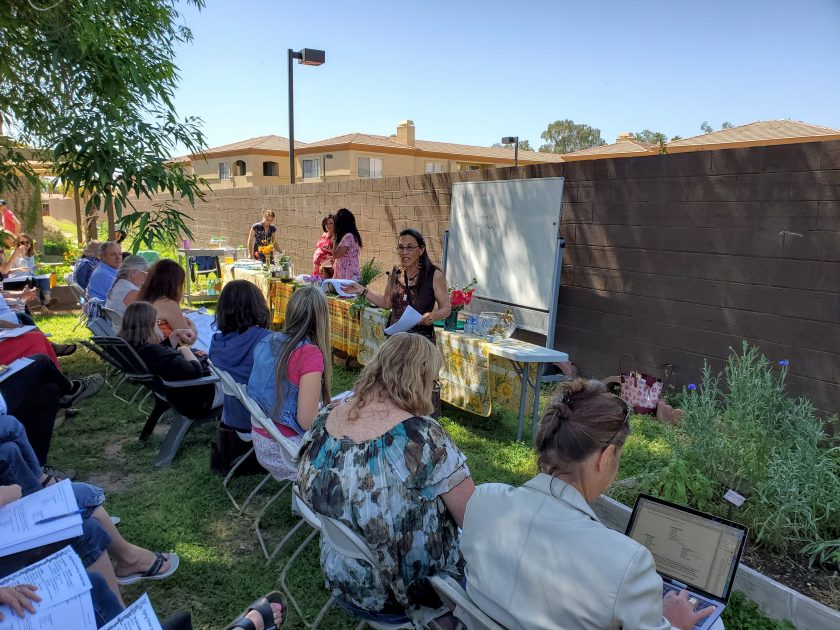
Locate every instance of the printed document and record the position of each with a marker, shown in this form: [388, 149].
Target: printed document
[17, 519]
[338, 285]
[410, 318]
[59, 577]
[139, 616]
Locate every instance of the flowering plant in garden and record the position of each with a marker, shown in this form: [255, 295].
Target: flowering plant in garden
[459, 298]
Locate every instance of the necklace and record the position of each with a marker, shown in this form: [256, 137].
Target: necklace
[408, 282]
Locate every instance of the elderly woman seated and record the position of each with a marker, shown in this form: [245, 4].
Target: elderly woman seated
[87, 263]
[538, 557]
[378, 463]
[130, 277]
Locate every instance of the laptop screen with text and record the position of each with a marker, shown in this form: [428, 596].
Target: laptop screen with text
[697, 550]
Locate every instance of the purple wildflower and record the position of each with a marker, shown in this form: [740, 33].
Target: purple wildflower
[784, 362]
[692, 386]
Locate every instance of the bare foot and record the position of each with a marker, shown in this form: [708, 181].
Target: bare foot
[256, 618]
[139, 562]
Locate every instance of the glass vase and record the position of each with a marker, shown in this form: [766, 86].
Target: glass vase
[451, 322]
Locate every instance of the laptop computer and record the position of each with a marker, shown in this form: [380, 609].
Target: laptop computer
[692, 550]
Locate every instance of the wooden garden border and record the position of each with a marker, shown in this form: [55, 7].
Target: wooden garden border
[775, 600]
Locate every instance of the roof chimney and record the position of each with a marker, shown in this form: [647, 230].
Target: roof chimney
[405, 132]
[624, 136]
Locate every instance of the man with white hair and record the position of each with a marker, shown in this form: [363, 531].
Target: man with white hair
[105, 274]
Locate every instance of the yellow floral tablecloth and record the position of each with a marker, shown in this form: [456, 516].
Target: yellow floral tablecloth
[275, 291]
[472, 378]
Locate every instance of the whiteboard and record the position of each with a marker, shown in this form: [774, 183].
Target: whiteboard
[505, 234]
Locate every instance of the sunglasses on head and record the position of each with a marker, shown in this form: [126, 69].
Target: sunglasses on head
[628, 411]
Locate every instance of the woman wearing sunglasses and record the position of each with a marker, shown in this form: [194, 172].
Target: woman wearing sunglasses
[415, 282]
[22, 265]
[538, 557]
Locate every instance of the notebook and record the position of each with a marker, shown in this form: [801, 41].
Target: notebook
[692, 550]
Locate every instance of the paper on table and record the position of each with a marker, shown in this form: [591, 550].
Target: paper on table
[139, 616]
[410, 318]
[205, 327]
[15, 366]
[338, 285]
[76, 613]
[59, 577]
[17, 519]
[11, 333]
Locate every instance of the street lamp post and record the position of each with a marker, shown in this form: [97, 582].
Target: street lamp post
[308, 57]
[514, 140]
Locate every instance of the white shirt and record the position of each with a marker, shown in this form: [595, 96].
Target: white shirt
[538, 558]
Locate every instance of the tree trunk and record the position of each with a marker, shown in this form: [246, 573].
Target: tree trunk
[92, 231]
[78, 203]
[112, 229]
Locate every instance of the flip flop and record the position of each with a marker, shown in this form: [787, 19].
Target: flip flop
[263, 607]
[153, 572]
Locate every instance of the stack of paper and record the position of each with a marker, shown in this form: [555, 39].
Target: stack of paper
[64, 589]
[205, 327]
[139, 616]
[11, 333]
[19, 526]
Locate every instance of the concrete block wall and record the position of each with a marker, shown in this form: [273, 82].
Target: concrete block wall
[671, 258]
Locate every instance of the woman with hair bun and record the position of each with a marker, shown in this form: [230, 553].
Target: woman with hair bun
[538, 557]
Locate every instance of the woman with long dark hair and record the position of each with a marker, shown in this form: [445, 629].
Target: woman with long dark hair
[163, 289]
[415, 282]
[348, 247]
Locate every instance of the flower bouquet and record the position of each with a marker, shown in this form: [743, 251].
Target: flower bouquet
[458, 299]
[266, 250]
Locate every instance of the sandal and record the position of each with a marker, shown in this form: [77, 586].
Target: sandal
[153, 573]
[263, 607]
[64, 349]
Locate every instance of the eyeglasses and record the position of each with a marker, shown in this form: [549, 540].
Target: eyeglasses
[628, 411]
[407, 248]
[23, 242]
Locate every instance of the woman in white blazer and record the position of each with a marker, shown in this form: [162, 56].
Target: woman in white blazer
[537, 557]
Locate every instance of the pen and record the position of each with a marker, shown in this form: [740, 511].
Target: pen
[50, 519]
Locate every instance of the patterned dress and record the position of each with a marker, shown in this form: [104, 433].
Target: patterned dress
[347, 267]
[262, 237]
[323, 253]
[387, 489]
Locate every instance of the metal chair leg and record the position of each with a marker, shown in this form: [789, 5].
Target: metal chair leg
[284, 587]
[268, 504]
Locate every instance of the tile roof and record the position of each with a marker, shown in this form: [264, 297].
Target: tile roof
[621, 147]
[260, 143]
[760, 132]
[429, 146]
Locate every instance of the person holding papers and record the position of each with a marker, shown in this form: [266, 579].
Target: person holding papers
[538, 557]
[22, 265]
[291, 375]
[415, 283]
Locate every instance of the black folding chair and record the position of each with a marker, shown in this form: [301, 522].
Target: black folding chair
[132, 366]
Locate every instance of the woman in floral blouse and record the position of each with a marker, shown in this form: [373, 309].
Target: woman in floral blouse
[324, 249]
[261, 234]
[380, 465]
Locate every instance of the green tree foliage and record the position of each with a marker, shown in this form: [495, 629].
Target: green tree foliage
[566, 136]
[727, 125]
[651, 137]
[524, 145]
[89, 84]
[705, 127]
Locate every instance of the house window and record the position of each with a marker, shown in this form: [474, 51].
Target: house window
[370, 167]
[473, 167]
[239, 168]
[311, 168]
[271, 169]
[434, 167]
[224, 171]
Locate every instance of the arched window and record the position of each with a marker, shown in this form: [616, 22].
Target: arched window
[239, 167]
[271, 169]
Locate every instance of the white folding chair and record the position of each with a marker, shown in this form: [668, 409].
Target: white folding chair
[288, 450]
[464, 608]
[230, 387]
[350, 544]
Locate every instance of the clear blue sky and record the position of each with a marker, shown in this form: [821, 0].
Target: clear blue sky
[473, 71]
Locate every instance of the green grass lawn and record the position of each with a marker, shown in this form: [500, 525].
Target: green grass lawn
[185, 509]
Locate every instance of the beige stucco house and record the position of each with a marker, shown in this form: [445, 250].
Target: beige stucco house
[265, 160]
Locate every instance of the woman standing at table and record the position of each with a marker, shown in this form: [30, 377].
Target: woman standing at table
[261, 234]
[322, 258]
[348, 247]
[415, 282]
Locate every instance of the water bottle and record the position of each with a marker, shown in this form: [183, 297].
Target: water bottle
[470, 324]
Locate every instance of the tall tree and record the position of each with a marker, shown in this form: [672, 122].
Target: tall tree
[566, 136]
[89, 84]
[524, 145]
[705, 127]
[727, 125]
[651, 137]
